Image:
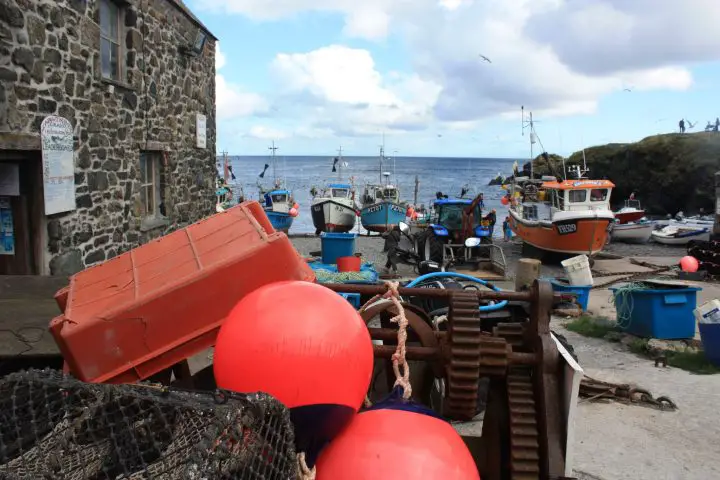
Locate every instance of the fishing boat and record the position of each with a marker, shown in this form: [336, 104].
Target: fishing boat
[334, 209]
[278, 203]
[681, 220]
[631, 212]
[225, 193]
[568, 216]
[633, 232]
[381, 205]
[675, 235]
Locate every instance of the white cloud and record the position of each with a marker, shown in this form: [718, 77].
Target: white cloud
[219, 57]
[555, 57]
[232, 102]
[266, 133]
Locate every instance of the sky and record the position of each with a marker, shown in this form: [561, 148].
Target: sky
[314, 75]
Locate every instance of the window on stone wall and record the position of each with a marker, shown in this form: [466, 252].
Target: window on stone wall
[111, 26]
[152, 184]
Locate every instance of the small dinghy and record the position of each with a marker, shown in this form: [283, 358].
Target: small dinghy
[634, 232]
[675, 235]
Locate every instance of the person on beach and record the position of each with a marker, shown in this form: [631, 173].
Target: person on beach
[506, 229]
[392, 239]
[682, 125]
[491, 219]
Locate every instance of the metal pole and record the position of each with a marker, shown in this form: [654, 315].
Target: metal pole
[716, 227]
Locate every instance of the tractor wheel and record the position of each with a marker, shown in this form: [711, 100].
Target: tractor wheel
[420, 245]
[433, 248]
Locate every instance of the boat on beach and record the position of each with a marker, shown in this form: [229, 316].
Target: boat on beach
[568, 216]
[381, 205]
[631, 212]
[334, 208]
[277, 202]
[633, 232]
[680, 235]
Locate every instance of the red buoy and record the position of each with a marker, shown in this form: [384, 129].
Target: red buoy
[392, 444]
[305, 345]
[689, 264]
[505, 200]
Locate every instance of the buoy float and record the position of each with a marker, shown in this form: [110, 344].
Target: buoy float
[505, 200]
[293, 212]
[390, 444]
[689, 264]
[305, 345]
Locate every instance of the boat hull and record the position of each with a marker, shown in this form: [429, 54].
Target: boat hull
[632, 232]
[570, 236]
[382, 216]
[660, 236]
[281, 222]
[629, 216]
[333, 216]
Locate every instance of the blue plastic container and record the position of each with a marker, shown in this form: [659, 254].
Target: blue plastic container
[710, 335]
[335, 245]
[582, 291]
[659, 313]
[353, 298]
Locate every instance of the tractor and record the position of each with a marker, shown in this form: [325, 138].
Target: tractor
[457, 235]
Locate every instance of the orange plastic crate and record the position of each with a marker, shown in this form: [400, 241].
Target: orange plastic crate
[145, 310]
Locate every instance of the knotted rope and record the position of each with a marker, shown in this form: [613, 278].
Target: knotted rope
[304, 473]
[400, 365]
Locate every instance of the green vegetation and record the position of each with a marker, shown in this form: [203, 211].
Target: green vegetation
[588, 326]
[668, 172]
[689, 359]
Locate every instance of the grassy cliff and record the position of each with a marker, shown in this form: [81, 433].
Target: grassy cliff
[668, 173]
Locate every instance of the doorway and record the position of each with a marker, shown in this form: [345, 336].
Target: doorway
[21, 212]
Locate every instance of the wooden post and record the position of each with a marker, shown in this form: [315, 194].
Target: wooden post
[716, 227]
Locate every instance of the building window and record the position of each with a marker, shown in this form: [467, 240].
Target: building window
[111, 22]
[152, 184]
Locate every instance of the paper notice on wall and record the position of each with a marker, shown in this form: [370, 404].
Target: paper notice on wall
[201, 130]
[10, 179]
[7, 233]
[56, 135]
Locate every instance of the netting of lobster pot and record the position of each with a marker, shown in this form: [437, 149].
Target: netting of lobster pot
[55, 427]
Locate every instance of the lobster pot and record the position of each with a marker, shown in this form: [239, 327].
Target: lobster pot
[53, 423]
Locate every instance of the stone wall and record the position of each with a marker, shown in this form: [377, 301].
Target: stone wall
[50, 64]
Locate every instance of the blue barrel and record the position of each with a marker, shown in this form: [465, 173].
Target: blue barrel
[710, 335]
[335, 245]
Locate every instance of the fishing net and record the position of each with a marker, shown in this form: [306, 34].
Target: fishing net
[55, 427]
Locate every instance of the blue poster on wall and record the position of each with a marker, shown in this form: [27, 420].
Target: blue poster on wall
[7, 234]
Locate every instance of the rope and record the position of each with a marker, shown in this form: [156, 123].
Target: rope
[304, 473]
[400, 365]
[438, 320]
[624, 302]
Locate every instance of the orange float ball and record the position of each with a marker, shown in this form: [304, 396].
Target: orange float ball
[392, 444]
[306, 346]
[505, 200]
[689, 264]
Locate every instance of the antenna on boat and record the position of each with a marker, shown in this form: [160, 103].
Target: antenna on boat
[273, 149]
[529, 124]
[340, 164]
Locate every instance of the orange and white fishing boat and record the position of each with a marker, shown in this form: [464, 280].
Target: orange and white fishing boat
[562, 216]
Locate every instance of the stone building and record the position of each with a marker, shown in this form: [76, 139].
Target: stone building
[134, 78]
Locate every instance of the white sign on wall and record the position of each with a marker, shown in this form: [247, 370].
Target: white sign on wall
[201, 130]
[56, 136]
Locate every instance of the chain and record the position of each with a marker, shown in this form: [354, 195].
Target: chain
[631, 275]
[592, 389]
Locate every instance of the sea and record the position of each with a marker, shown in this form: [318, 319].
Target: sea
[447, 175]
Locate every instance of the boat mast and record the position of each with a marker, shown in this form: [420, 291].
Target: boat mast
[225, 167]
[531, 126]
[273, 149]
[340, 162]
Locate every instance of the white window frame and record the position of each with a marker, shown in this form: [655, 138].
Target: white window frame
[153, 183]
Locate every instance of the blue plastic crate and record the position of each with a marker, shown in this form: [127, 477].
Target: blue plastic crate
[710, 335]
[335, 245]
[664, 314]
[353, 298]
[582, 291]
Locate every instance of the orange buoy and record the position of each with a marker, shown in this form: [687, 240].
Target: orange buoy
[689, 264]
[293, 212]
[388, 444]
[305, 345]
[505, 200]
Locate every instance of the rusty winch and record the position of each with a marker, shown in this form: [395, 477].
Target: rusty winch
[523, 429]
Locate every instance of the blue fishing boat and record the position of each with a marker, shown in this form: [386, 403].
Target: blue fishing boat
[381, 206]
[278, 202]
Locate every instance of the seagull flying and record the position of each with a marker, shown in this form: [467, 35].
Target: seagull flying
[484, 58]
[627, 89]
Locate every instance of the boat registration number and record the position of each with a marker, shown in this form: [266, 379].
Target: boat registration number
[317, 208]
[377, 208]
[566, 228]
